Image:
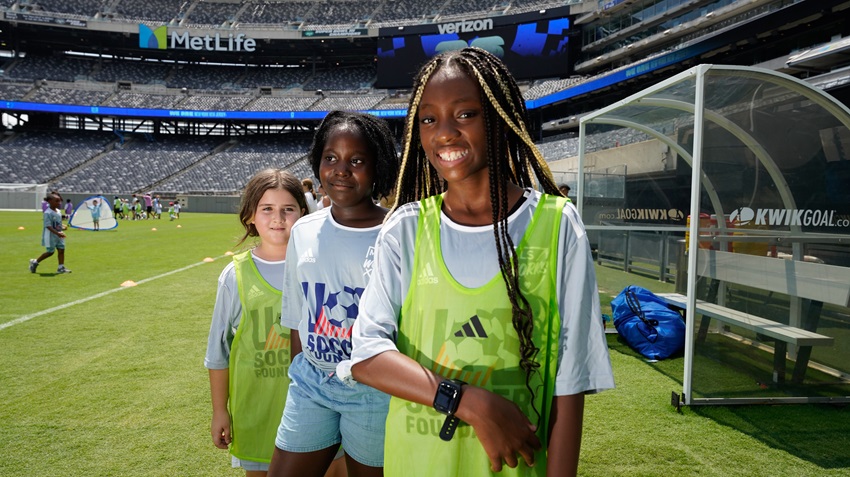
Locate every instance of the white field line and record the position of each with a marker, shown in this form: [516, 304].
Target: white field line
[26, 318]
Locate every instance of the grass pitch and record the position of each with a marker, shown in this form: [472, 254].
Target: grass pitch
[111, 382]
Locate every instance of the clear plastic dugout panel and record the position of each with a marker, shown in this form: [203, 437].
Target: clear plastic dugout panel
[765, 282]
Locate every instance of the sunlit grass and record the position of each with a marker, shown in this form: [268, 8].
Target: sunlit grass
[116, 385]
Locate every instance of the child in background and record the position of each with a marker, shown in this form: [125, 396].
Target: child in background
[331, 251]
[137, 210]
[324, 199]
[133, 202]
[69, 209]
[307, 184]
[52, 237]
[505, 337]
[125, 208]
[157, 207]
[565, 191]
[248, 351]
[148, 204]
[171, 214]
[116, 208]
[95, 213]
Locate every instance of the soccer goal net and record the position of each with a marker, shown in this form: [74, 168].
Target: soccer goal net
[22, 196]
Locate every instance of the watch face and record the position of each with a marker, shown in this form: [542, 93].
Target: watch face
[445, 399]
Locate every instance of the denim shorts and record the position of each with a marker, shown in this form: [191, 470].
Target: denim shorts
[321, 411]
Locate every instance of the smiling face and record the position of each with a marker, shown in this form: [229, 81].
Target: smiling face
[276, 211]
[347, 167]
[451, 126]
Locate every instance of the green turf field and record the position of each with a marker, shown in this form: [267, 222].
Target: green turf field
[114, 385]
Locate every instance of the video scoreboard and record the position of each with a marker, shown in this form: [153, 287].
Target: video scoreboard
[534, 45]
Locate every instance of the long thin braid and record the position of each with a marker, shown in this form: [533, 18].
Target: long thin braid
[539, 166]
[501, 172]
[416, 183]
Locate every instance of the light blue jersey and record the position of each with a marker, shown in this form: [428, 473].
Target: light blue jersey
[328, 268]
[52, 218]
[95, 211]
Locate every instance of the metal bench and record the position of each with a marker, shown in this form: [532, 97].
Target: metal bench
[816, 283]
[783, 334]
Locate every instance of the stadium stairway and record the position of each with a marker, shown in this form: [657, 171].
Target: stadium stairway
[8, 136]
[225, 146]
[107, 149]
[29, 94]
[249, 103]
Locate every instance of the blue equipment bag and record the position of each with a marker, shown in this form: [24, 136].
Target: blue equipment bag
[647, 324]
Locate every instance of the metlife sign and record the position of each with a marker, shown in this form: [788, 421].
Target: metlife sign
[160, 38]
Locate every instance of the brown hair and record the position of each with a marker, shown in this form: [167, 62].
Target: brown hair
[308, 183]
[262, 181]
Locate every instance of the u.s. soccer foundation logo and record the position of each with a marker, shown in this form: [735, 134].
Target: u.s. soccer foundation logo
[330, 330]
[155, 39]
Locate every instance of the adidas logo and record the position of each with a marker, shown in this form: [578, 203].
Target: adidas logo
[472, 329]
[254, 293]
[307, 257]
[427, 276]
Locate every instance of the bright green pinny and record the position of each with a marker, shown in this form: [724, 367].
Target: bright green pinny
[467, 333]
[259, 365]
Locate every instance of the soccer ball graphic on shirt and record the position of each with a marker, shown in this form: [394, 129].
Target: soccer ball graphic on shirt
[337, 312]
[342, 305]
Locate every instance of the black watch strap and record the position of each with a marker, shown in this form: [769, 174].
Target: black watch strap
[449, 427]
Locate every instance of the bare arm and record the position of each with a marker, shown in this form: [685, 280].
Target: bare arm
[501, 427]
[220, 425]
[565, 424]
[294, 344]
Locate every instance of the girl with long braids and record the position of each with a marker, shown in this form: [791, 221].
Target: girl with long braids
[482, 316]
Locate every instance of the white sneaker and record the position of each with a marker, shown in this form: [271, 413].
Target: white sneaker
[33, 265]
[62, 269]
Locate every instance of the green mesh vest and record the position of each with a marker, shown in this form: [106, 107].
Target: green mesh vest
[259, 365]
[467, 334]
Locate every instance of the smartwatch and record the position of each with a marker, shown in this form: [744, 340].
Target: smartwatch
[446, 402]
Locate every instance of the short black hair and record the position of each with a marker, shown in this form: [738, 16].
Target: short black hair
[379, 139]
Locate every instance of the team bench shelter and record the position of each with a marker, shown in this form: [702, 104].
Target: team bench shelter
[767, 157]
[813, 283]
